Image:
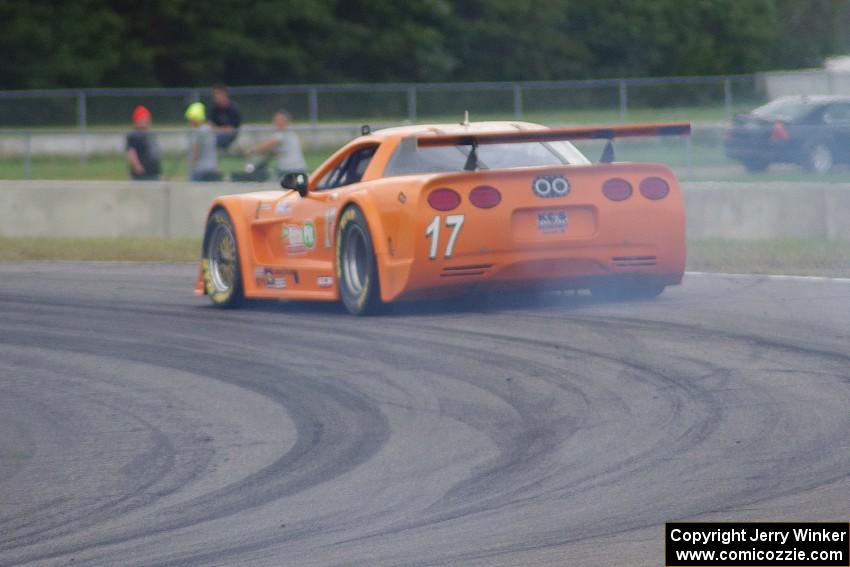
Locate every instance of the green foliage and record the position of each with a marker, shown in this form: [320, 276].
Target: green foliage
[53, 43]
[676, 37]
[810, 30]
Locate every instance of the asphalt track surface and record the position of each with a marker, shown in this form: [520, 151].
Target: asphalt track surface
[140, 426]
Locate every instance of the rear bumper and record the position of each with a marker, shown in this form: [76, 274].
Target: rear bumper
[577, 268]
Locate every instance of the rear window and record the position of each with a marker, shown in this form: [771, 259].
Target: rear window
[408, 160]
[783, 109]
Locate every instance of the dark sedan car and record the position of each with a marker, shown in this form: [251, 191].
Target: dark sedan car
[811, 131]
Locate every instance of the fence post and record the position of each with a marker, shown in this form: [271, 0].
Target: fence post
[727, 97]
[82, 120]
[517, 101]
[411, 104]
[313, 107]
[624, 100]
[313, 112]
[28, 156]
[81, 111]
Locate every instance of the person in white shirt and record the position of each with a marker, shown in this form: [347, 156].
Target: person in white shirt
[284, 146]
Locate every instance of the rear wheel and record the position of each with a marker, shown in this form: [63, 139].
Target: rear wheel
[819, 158]
[220, 262]
[356, 266]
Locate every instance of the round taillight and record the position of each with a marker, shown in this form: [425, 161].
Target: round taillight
[560, 186]
[485, 197]
[542, 186]
[654, 188]
[444, 199]
[617, 189]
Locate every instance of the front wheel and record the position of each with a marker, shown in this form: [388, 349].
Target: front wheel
[220, 262]
[356, 266]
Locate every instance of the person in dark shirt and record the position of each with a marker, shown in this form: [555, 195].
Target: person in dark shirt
[225, 117]
[142, 148]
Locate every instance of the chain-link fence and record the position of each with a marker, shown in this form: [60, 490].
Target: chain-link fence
[562, 101]
[41, 130]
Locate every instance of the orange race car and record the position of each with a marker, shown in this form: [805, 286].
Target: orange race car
[432, 211]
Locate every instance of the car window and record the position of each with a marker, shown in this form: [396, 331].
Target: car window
[837, 113]
[783, 109]
[350, 169]
[409, 159]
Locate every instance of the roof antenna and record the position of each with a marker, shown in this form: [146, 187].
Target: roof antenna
[465, 118]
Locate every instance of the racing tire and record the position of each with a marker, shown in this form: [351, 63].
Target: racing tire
[755, 165]
[220, 262]
[627, 291]
[819, 158]
[356, 266]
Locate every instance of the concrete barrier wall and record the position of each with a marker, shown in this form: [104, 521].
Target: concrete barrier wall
[177, 209]
[109, 208]
[747, 211]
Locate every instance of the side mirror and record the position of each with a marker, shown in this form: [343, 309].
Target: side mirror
[296, 182]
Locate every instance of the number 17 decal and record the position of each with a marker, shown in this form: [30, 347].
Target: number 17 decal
[433, 232]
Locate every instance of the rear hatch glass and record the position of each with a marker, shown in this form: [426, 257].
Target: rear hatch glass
[783, 109]
[407, 160]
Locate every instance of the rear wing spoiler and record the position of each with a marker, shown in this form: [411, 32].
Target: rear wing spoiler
[555, 134]
[474, 139]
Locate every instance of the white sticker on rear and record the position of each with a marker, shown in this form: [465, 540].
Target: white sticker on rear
[552, 221]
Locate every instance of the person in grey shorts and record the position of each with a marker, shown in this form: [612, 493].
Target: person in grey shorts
[283, 146]
[203, 159]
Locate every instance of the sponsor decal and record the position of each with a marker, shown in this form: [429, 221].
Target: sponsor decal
[552, 221]
[299, 239]
[309, 238]
[325, 281]
[265, 206]
[282, 208]
[270, 278]
[293, 235]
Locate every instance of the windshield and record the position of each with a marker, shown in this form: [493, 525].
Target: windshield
[783, 109]
[443, 159]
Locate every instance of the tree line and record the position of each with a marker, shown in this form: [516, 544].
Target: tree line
[101, 43]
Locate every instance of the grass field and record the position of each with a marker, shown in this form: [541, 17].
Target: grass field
[108, 167]
[798, 257]
[801, 257]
